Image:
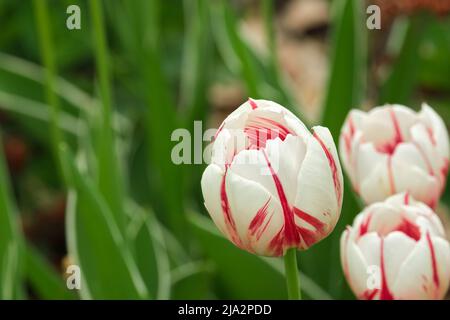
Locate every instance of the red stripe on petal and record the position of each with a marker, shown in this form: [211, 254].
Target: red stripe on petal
[276, 244]
[229, 221]
[369, 294]
[409, 228]
[252, 103]
[333, 167]
[433, 261]
[406, 198]
[313, 221]
[364, 227]
[385, 293]
[259, 218]
[389, 147]
[291, 237]
[310, 236]
[431, 136]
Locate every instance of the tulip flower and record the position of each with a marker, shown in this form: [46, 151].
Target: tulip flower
[392, 149]
[396, 250]
[271, 184]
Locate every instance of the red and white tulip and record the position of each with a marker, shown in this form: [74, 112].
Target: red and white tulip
[393, 149]
[402, 240]
[271, 184]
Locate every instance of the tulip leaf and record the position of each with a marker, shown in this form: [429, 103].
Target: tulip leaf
[346, 83]
[403, 75]
[10, 273]
[192, 281]
[150, 252]
[243, 275]
[109, 180]
[44, 279]
[160, 115]
[95, 242]
[261, 77]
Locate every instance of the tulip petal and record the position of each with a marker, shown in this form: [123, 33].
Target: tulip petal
[211, 185]
[397, 247]
[437, 127]
[320, 183]
[424, 274]
[257, 214]
[409, 154]
[409, 178]
[369, 244]
[421, 139]
[286, 158]
[376, 185]
[357, 269]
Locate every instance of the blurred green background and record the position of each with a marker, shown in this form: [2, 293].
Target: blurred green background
[86, 118]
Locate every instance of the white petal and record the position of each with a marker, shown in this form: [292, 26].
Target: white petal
[375, 186]
[357, 269]
[421, 139]
[286, 158]
[422, 186]
[408, 154]
[343, 250]
[252, 165]
[397, 247]
[319, 185]
[416, 276]
[369, 244]
[405, 118]
[211, 183]
[236, 119]
[227, 143]
[442, 252]
[439, 130]
[247, 199]
[384, 218]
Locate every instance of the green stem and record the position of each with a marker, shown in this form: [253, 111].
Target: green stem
[48, 59]
[292, 279]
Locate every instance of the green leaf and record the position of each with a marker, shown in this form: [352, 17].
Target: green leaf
[347, 79]
[403, 76]
[192, 281]
[44, 279]
[33, 110]
[96, 244]
[10, 270]
[109, 179]
[150, 252]
[161, 117]
[261, 77]
[234, 50]
[196, 60]
[243, 275]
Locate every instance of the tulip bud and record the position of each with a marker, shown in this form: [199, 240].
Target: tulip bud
[396, 250]
[393, 149]
[271, 184]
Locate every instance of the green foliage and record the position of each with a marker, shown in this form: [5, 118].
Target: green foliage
[132, 220]
[10, 270]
